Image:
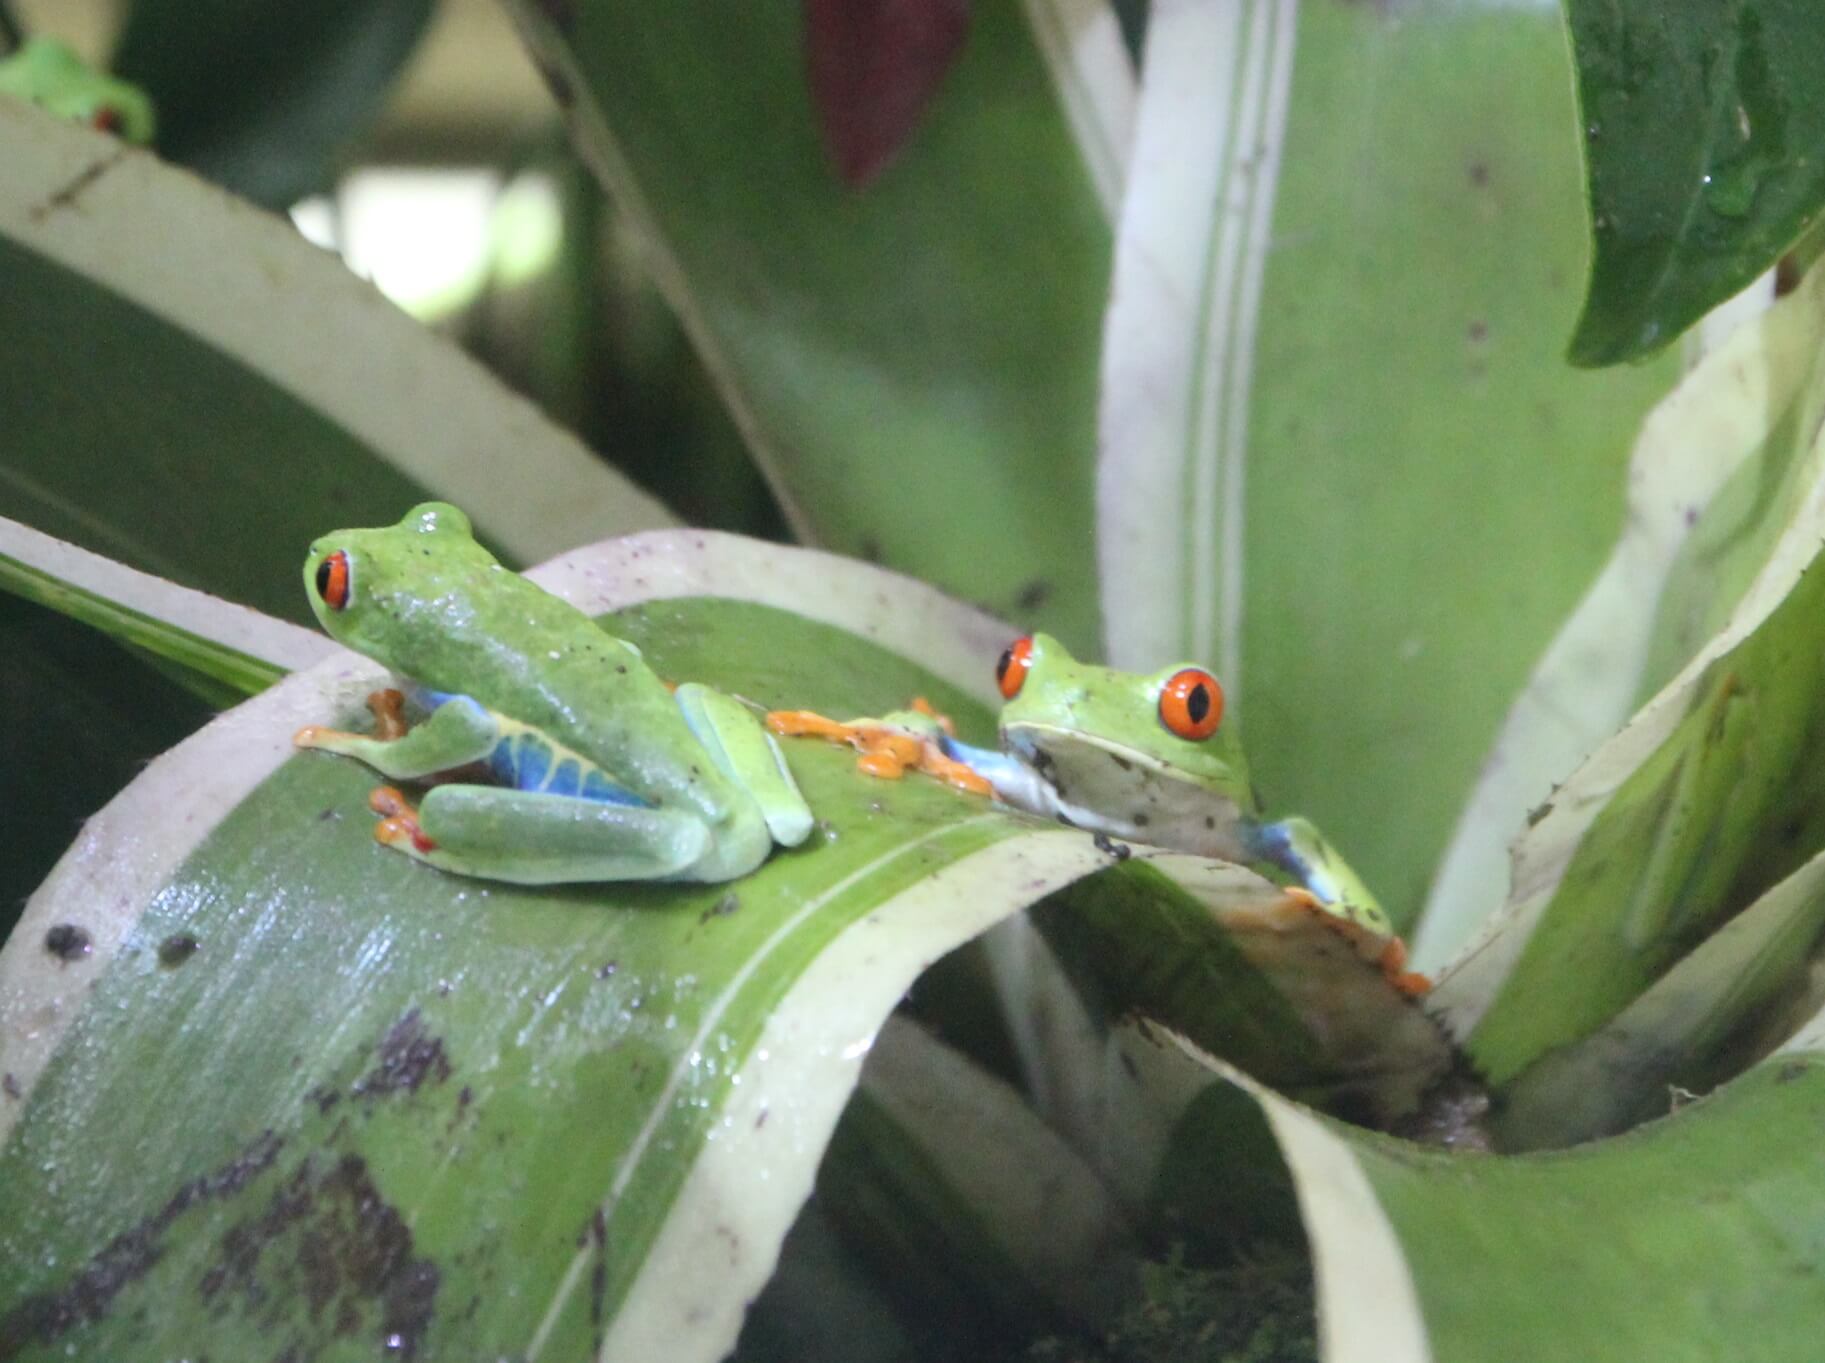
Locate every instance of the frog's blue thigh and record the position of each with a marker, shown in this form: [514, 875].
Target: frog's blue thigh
[535, 838]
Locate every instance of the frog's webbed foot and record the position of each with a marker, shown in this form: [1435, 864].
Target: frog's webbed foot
[1387, 951]
[388, 708]
[889, 746]
[398, 827]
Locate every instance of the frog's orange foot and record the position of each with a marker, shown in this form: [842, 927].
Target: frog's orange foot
[1394, 967]
[807, 724]
[398, 827]
[953, 772]
[925, 707]
[318, 735]
[389, 710]
[1392, 956]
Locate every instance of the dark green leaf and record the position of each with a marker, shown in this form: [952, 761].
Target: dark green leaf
[262, 98]
[1703, 126]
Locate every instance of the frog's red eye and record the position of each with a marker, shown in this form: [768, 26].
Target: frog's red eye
[1016, 662]
[333, 580]
[107, 119]
[1191, 703]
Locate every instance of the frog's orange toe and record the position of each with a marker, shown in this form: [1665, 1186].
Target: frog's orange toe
[883, 763]
[390, 801]
[1304, 897]
[389, 710]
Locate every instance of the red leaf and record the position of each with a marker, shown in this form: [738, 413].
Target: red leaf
[873, 66]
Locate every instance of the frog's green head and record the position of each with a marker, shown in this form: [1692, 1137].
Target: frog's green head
[55, 78]
[374, 590]
[1146, 754]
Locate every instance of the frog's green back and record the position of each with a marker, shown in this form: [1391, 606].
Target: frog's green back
[424, 599]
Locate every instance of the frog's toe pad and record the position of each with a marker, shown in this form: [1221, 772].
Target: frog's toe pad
[398, 827]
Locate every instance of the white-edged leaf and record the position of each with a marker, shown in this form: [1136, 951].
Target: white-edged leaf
[1081, 41]
[189, 382]
[581, 1097]
[1178, 343]
[226, 642]
[1748, 411]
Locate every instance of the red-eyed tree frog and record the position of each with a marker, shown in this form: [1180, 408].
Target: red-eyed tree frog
[602, 772]
[51, 76]
[1143, 758]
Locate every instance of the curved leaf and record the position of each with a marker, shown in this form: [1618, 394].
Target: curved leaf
[1682, 820]
[912, 365]
[502, 1116]
[1728, 1003]
[1346, 258]
[235, 389]
[1697, 122]
[1720, 470]
[1427, 1257]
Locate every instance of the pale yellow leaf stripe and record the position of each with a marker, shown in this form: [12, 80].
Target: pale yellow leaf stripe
[242, 280]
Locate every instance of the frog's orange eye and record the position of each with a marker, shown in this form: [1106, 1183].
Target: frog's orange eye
[333, 580]
[1191, 703]
[1016, 662]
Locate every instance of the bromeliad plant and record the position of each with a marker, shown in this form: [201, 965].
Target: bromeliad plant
[1268, 309]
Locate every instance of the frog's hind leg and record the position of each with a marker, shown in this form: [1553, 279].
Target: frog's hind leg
[459, 731]
[1299, 849]
[534, 838]
[744, 750]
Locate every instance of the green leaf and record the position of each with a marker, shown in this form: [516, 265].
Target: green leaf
[1723, 467]
[1346, 258]
[260, 98]
[912, 365]
[1701, 125]
[1422, 1256]
[236, 649]
[192, 389]
[1682, 820]
[379, 1103]
[1727, 1004]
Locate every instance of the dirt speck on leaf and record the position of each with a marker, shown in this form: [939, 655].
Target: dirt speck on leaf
[406, 1057]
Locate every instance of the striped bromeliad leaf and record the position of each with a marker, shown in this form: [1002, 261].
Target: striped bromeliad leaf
[1427, 1256]
[912, 364]
[371, 1105]
[1724, 469]
[1346, 258]
[189, 384]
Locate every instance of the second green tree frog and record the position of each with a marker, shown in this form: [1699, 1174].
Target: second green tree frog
[1140, 757]
[57, 80]
[601, 772]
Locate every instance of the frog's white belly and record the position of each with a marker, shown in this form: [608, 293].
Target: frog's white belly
[1093, 788]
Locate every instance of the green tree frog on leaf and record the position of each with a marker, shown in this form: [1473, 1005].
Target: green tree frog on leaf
[51, 76]
[601, 772]
[1145, 758]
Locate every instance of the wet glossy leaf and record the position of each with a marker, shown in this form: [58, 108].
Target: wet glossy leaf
[1702, 127]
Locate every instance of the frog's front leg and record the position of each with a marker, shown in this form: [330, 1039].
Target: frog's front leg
[531, 837]
[1300, 850]
[458, 732]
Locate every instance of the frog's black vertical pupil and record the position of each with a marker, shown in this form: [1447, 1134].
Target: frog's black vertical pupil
[1197, 704]
[1007, 661]
[323, 579]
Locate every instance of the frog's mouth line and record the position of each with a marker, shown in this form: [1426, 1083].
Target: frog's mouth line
[1019, 738]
